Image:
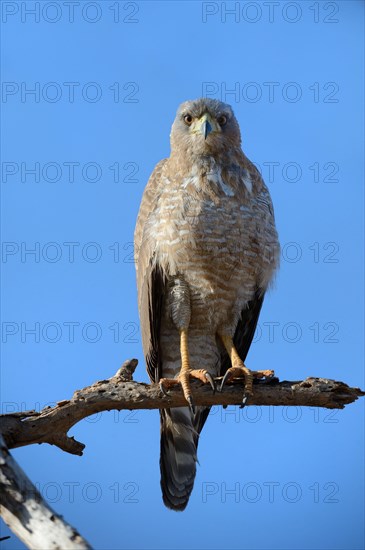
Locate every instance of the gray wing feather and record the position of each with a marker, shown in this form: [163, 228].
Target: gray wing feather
[151, 280]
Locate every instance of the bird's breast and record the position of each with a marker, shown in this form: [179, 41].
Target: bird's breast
[202, 236]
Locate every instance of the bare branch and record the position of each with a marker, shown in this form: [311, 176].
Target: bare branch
[23, 508]
[52, 424]
[28, 515]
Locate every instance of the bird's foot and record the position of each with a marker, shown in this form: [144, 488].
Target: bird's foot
[239, 372]
[183, 380]
[242, 371]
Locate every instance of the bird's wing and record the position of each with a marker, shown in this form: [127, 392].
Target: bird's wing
[264, 215]
[151, 280]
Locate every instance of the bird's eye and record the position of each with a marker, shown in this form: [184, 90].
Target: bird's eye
[188, 119]
[222, 120]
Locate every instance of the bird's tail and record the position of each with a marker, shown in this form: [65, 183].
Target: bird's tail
[179, 443]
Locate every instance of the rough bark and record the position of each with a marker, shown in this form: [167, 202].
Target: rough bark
[52, 424]
[28, 515]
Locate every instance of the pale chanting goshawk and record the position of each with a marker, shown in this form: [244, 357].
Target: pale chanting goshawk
[206, 249]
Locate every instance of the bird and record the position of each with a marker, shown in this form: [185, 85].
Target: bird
[206, 251]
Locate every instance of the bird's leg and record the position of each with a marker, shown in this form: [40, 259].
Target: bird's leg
[186, 372]
[239, 369]
[185, 366]
[180, 313]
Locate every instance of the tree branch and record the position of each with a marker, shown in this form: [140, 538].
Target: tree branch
[28, 515]
[52, 424]
[23, 508]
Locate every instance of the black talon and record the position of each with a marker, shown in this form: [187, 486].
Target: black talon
[225, 378]
[163, 389]
[191, 404]
[211, 381]
[244, 401]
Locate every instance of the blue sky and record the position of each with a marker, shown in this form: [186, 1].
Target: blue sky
[107, 78]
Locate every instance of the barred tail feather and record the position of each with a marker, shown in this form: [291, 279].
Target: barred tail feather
[179, 442]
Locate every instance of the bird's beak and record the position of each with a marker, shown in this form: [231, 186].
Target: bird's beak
[206, 128]
[206, 125]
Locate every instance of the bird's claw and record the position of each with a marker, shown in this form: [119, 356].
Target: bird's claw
[234, 372]
[211, 381]
[201, 374]
[162, 388]
[191, 404]
[244, 401]
[225, 378]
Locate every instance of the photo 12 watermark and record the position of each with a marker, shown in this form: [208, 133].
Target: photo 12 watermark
[270, 12]
[272, 92]
[69, 92]
[69, 171]
[268, 414]
[252, 492]
[70, 11]
[90, 492]
[70, 332]
[119, 416]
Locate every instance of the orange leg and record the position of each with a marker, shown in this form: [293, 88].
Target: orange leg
[186, 373]
[239, 369]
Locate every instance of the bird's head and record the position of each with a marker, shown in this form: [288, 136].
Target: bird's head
[205, 126]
